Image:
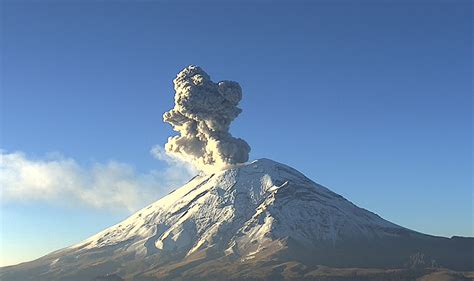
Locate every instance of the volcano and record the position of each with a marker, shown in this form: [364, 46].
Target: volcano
[257, 221]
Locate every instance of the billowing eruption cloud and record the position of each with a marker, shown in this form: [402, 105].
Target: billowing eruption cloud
[202, 115]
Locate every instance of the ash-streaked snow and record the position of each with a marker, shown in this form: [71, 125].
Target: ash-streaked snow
[239, 207]
[246, 220]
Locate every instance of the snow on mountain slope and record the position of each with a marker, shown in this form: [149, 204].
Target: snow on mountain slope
[241, 207]
[255, 217]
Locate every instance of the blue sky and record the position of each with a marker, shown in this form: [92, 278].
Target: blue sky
[373, 100]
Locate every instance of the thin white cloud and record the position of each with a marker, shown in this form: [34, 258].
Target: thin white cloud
[112, 185]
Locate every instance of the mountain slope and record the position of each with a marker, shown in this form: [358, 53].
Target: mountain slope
[257, 215]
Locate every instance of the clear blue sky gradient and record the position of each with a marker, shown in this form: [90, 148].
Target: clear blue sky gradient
[371, 100]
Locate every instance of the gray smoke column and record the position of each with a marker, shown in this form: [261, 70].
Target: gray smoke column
[202, 115]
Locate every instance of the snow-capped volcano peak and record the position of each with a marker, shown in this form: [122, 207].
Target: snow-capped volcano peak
[253, 218]
[237, 208]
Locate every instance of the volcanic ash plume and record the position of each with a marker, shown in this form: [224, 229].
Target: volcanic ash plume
[202, 115]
